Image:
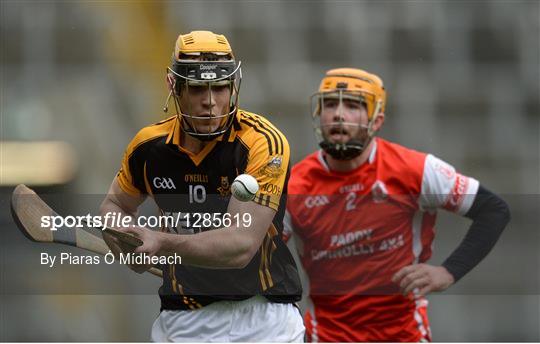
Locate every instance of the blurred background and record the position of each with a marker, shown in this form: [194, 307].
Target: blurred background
[79, 79]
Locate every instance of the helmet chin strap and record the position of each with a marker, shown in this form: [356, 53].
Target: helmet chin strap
[346, 151]
[192, 131]
[354, 147]
[189, 129]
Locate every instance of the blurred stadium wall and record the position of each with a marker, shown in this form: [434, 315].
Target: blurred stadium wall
[462, 81]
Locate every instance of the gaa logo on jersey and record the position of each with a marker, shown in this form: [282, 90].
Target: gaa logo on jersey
[379, 192]
[163, 183]
[316, 201]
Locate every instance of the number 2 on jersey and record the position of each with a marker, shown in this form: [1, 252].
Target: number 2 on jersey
[351, 198]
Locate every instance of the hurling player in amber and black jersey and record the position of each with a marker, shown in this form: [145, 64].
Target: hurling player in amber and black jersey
[363, 211]
[237, 280]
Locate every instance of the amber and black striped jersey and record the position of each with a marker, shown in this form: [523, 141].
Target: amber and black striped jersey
[188, 184]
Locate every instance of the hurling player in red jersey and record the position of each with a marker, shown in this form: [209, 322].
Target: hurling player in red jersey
[363, 210]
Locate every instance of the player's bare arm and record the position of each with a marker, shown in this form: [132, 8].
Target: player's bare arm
[118, 201]
[231, 247]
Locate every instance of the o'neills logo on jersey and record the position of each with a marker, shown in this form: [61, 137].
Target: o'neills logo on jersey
[379, 192]
[351, 188]
[316, 201]
[163, 183]
[196, 178]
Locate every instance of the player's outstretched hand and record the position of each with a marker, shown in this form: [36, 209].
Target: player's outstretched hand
[423, 277]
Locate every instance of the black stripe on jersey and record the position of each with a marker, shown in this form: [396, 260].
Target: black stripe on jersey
[264, 123]
[228, 134]
[259, 198]
[262, 199]
[255, 121]
[243, 145]
[278, 140]
[236, 124]
[270, 145]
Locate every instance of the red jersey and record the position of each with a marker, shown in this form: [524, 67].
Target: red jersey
[354, 230]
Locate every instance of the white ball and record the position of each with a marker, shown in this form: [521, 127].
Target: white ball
[244, 187]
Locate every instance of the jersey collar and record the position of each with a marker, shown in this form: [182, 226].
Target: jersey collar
[373, 153]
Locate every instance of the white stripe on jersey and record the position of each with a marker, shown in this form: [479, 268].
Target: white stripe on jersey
[287, 226]
[421, 302]
[314, 324]
[322, 161]
[417, 235]
[443, 187]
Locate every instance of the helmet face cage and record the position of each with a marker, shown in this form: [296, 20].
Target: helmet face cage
[362, 134]
[208, 74]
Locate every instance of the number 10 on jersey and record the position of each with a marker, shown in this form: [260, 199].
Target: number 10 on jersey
[197, 194]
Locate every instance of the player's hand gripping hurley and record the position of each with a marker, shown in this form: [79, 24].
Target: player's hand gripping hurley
[27, 209]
